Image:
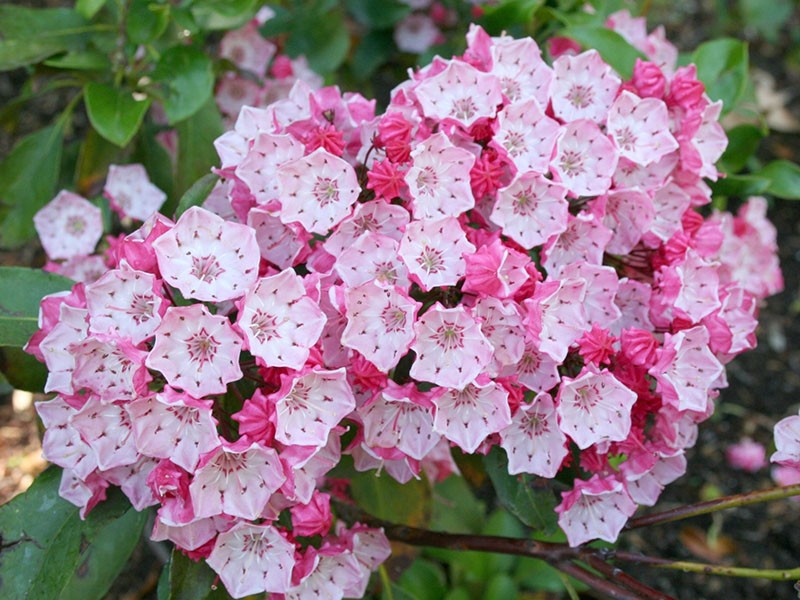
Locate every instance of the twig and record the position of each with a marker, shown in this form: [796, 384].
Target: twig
[605, 587]
[616, 574]
[708, 569]
[702, 508]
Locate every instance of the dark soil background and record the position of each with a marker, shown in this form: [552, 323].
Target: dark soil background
[764, 383]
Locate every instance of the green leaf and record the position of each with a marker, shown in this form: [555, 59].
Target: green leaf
[614, 49]
[49, 552]
[19, 22]
[377, 15]
[424, 580]
[743, 141]
[190, 580]
[722, 65]
[505, 15]
[385, 498]
[30, 34]
[157, 162]
[455, 508]
[28, 178]
[146, 21]
[374, 49]
[327, 48]
[114, 113]
[23, 289]
[740, 185]
[196, 154]
[187, 81]
[501, 587]
[89, 8]
[784, 179]
[282, 22]
[196, 194]
[80, 60]
[223, 14]
[521, 494]
[770, 21]
[94, 157]
[22, 370]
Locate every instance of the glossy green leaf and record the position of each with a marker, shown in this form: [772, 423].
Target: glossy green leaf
[49, 552]
[157, 161]
[196, 154]
[187, 81]
[743, 141]
[374, 49]
[196, 194]
[114, 112]
[22, 370]
[190, 580]
[522, 495]
[395, 592]
[740, 185]
[28, 178]
[424, 579]
[455, 508]
[89, 8]
[23, 289]
[784, 179]
[458, 593]
[500, 587]
[146, 21]
[328, 47]
[95, 155]
[614, 49]
[281, 22]
[80, 60]
[385, 498]
[377, 15]
[32, 34]
[504, 15]
[722, 65]
[223, 14]
[770, 21]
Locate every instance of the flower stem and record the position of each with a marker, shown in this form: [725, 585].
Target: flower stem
[709, 569]
[702, 508]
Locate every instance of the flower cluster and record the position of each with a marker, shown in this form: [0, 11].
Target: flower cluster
[70, 226]
[262, 74]
[509, 256]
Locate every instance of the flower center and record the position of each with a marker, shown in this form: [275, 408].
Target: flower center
[431, 259]
[206, 268]
[580, 96]
[325, 191]
[202, 346]
[449, 336]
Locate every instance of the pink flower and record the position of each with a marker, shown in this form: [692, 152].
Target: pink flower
[196, 351]
[495, 270]
[531, 210]
[468, 416]
[309, 405]
[594, 509]
[68, 225]
[746, 455]
[583, 87]
[459, 93]
[433, 252]
[207, 258]
[438, 179]
[451, 350]
[327, 180]
[533, 442]
[279, 322]
[312, 518]
[131, 192]
[594, 407]
[252, 559]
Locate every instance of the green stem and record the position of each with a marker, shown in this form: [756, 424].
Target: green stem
[709, 569]
[702, 508]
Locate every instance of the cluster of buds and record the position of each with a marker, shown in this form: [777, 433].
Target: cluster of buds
[509, 256]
